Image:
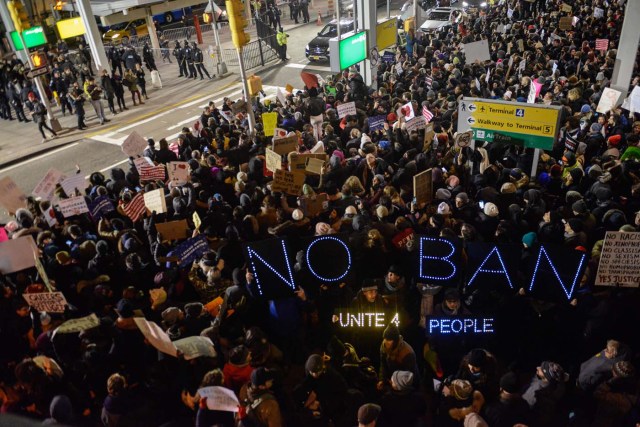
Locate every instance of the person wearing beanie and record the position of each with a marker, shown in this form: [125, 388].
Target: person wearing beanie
[460, 403]
[598, 368]
[490, 210]
[61, 412]
[510, 408]
[616, 398]
[479, 368]
[574, 234]
[464, 209]
[402, 405]
[395, 355]
[451, 304]
[258, 395]
[529, 239]
[443, 194]
[487, 221]
[544, 393]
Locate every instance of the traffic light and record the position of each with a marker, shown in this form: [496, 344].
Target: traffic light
[237, 23]
[59, 4]
[38, 59]
[255, 85]
[18, 15]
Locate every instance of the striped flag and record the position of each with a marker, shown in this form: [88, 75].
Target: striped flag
[428, 115]
[150, 173]
[428, 81]
[602, 44]
[135, 208]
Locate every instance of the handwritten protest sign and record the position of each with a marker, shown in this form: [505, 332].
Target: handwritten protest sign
[281, 97]
[619, 260]
[314, 165]
[608, 100]
[155, 201]
[566, 8]
[51, 302]
[477, 51]
[139, 162]
[194, 347]
[156, 336]
[346, 109]
[78, 325]
[565, 23]
[220, 398]
[73, 206]
[178, 172]
[273, 160]
[376, 122]
[311, 206]
[418, 122]
[280, 133]
[134, 144]
[47, 185]
[287, 182]
[100, 207]
[269, 121]
[423, 187]
[11, 197]
[173, 230]
[73, 183]
[190, 250]
[284, 146]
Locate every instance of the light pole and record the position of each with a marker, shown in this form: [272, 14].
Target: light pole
[247, 96]
[221, 66]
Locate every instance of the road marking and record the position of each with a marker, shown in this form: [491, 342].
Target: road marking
[47, 154]
[309, 67]
[109, 167]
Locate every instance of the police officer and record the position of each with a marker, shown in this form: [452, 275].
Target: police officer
[188, 54]
[281, 38]
[178, 52]
[198, 58]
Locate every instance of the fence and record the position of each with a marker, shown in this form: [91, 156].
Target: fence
[255, 54]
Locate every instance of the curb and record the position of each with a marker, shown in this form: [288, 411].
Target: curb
[45, 148]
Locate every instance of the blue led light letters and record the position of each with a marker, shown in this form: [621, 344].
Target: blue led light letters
[253, 256]
[502, 271]
[310, 263]
[446, 260]
[567, 292]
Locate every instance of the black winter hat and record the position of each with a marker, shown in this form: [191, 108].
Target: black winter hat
[391, 333]
[509, 382]
[477, 357]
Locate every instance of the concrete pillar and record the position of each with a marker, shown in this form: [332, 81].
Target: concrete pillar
[368, 20]
[627, 50]
[93, 36]
[8, 24]
[153, 35]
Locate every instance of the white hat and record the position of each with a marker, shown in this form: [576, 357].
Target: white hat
[443, 208]
[382, 211]
[491, 210]
[351, 210]
[242, 176]
[297, 215]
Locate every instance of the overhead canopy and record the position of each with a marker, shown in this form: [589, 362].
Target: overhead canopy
[111, 12]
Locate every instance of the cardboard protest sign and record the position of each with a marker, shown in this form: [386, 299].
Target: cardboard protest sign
[346, 109]
[273, 160]
[287, 182]
[477, 51]
[152, 173]
[74, 183]
[190, 250]
[178, 172]
[11, 197]
[73, 206]
[194, 347]
[269, 121]
[423, 187]
[608, 100]
[196, 220]
[314, 165]
[376, 122]
[566, 8]
[239, 107]
[42, 273]
[220, 398]
[78, 325]
[565, 23]
[50, 302]
[173, 230]
[100, 207]
[142, 161]
[155, 201]
[311, 206]
[47, 185]
[156, 336]
[134, 144]
[288, 88]
[284, 146]
[618, 264]
[298, 161]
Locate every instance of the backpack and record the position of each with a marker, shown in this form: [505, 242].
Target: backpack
[251, 419]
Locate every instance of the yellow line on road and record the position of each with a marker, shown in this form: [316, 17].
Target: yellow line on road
[152, 113]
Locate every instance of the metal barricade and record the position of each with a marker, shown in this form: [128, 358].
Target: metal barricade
[255, 54]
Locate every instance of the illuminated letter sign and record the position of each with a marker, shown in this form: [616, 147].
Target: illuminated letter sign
[493, 265]
[570, 275]
[328, 252]
[264, 264]
[460, 325]
[369, 320]
[436, 260]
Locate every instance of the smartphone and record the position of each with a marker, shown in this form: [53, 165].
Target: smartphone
[481, 204]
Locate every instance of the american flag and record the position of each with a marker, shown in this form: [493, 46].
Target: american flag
[135, 208]
[428, 115]
[602, 44]
[150, 173]
[428, 81]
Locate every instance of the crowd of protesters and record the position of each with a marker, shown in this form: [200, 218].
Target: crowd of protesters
[555, 363]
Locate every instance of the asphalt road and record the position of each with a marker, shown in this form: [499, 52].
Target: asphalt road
[179, 103]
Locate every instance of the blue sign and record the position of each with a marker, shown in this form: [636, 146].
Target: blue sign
[100, 207]
[190, 250]
[460, 325]
[376, 123]
[389, 56]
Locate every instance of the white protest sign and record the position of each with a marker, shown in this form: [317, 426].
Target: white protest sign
[17, 254]
[281, 97]
[279, 133]
[156, 336]
[178, 172]
[155, 201]
[346, 109]
[142, 161]
[416, 123]
[227, 115]
[273, 160]
[619, 260]
[406, 111]
[47, 185]
[220, 398]
[598, 12]
[51, 302]
[134, 144]
[78, 325]
[477, 51]
[531, 97]
[399, 69]
[608, 100]
[11, 197]
[194, 347]
[73, 206]
[634, 99]
[72, 183]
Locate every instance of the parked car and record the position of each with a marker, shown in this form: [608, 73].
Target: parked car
[121, 33]
[318, 48]
[441, 18]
